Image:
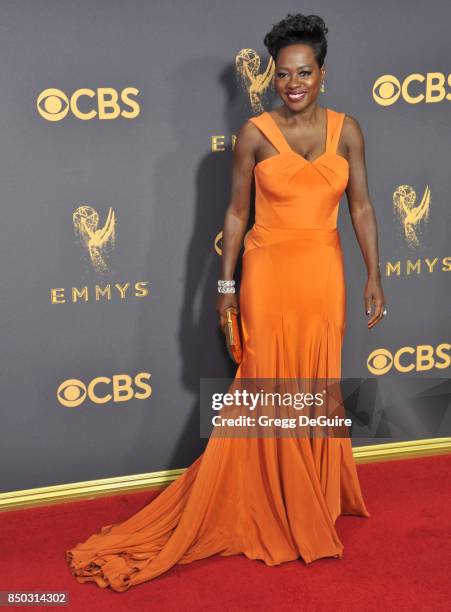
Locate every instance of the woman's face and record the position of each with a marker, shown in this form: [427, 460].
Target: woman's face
[297, 77]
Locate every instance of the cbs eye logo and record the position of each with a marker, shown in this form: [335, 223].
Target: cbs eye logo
[218, 243]
[428, 88]
[419, 358]
[85, 104]
[386, 90]
[101, 390]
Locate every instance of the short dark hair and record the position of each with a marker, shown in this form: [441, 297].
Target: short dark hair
[298, 29]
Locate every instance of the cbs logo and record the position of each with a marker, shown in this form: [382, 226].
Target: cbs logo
[387, 88]
[119, 388]
[104, 103]
[218, 243]
[408, 358]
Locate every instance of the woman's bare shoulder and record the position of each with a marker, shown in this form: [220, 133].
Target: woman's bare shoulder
[352, 125]
[352, 132]
[249, 134]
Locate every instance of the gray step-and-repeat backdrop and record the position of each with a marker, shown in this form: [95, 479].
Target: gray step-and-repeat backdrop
[117, 124]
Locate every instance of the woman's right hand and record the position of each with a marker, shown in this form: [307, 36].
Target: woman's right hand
[225, 301]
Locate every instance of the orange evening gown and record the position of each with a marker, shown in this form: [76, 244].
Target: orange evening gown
[273, 499]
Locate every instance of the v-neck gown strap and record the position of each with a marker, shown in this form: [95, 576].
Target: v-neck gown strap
[274, 498]
[269, 128]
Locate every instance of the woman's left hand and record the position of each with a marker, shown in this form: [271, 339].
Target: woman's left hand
[374, 294]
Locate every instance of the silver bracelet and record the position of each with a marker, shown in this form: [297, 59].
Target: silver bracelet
[226, 289]
[226, 286]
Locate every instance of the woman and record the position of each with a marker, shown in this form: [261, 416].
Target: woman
[271, 498]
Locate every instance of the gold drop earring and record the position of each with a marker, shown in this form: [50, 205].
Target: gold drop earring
[322, 88]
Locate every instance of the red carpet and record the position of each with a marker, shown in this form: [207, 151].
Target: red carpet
[398, 559]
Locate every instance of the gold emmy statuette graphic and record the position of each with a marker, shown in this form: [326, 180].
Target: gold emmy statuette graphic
[247, 64]
[409, 215]
[97, 241]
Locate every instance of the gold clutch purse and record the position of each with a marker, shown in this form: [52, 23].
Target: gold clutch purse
[232, 333]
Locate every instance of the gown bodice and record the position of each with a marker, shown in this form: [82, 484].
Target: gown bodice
[293, 192]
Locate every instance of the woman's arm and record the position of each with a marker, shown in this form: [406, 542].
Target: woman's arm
[237, 213]
[363, 217]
